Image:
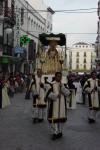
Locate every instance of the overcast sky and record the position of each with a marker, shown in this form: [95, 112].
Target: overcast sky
[74, 23]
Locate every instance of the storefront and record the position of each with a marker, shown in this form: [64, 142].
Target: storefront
[9, 63]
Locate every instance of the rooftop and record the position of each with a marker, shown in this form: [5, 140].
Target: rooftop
[81, 43]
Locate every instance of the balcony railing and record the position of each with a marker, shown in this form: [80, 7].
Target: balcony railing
[9, 13]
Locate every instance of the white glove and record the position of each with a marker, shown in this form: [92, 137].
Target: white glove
[65, 91]
[52, 96]
[35, 93]
[88, 90]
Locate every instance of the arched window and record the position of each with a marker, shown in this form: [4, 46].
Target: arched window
[34, 24]
[31, 23]
[22, 16]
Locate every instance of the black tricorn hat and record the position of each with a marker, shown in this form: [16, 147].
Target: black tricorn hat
[46, 38]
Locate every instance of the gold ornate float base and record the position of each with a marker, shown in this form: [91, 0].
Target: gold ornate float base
[51, 65]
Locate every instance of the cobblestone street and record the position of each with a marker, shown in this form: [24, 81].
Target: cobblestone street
[17, 132]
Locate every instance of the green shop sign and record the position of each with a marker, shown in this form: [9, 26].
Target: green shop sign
[4, 60]
[24, 40]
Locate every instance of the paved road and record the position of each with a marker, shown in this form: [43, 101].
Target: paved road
[18, 133]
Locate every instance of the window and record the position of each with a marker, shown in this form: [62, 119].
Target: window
[84, 66]
[34, 24]
[77, 54]
[22, 16]
[84, 54]
[9, 3]
[84, 60]
[77, 66]
[77, 60]
[1, 8]
[41, 28]
[37, 26]
[31, 23]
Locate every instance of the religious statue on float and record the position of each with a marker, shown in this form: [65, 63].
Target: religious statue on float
[51, 59]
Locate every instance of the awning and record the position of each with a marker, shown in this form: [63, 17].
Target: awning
[5, 59]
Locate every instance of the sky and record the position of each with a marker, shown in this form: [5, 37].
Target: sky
[75, 23]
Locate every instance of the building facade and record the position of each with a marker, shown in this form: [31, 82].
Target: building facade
[7, 22]
[97, 44]
[22, 19]
[1, 26]
[30, 22]
[46, 12]
[81, 57]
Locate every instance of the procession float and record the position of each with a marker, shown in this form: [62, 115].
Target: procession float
[51, 55]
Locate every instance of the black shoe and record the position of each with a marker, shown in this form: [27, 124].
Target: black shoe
[40, 120]
[91, 120]
[60, 135]
[35, 120]
[54, 137]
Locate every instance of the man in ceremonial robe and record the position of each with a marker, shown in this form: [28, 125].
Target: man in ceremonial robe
[92, 87]
[5, 97]
[57, 115]
[72, 96]
[39, 105]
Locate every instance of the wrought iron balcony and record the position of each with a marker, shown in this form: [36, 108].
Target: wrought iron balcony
[9, 13]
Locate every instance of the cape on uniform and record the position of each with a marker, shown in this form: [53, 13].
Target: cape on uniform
[72, 97]
[92, 87]
[57, 112]
[38, 92]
